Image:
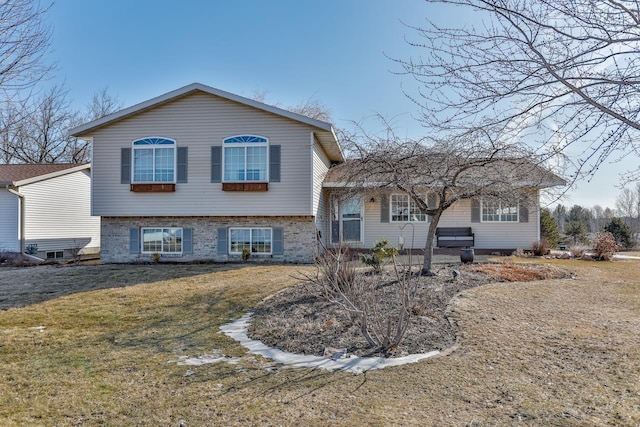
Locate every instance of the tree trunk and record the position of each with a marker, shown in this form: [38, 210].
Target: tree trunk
[428, 249]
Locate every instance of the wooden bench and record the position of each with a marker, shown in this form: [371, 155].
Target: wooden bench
[454, 237]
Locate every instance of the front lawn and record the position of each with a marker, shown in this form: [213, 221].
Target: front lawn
[91, 345]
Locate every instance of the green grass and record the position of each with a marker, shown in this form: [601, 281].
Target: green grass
[557, 352]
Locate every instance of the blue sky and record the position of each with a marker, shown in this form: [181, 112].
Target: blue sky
[336, 51]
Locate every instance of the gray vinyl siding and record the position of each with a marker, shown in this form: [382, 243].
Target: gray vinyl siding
[58, 213]
[200, 121]
[320, 207]
[487, 235]
[9, 211]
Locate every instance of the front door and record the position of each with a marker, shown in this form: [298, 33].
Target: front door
[346, 220]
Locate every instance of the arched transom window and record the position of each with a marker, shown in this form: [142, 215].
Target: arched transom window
[245, 158]
[154, 160]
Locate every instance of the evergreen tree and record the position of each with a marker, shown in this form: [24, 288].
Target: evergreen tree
[621, 232]
[577, 230]
[549, 228]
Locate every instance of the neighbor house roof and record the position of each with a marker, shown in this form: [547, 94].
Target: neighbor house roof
[17, 175]
[324, 133]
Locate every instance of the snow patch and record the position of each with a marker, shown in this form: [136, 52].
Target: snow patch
[238, 331]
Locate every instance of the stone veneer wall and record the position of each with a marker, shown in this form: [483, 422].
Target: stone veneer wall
[300, 242]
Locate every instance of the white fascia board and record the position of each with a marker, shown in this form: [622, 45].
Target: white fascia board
[78, 131]
[51, 175]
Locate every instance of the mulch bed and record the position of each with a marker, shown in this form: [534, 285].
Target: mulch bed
[300, 320]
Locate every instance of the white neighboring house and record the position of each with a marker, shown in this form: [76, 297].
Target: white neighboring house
[45, 210]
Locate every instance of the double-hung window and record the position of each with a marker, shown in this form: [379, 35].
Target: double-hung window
[162, 240]
[245, 158]
[154, 160]
[404, 209]
[255, 240]
[499, 211]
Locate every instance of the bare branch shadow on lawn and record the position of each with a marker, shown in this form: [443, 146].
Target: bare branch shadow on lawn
[20, 287]
[308, 381]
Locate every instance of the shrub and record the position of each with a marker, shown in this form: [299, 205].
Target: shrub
[378, 254]
[246, 254]
[605, 246]
[541, 247]
[621, 232]
[577, 251]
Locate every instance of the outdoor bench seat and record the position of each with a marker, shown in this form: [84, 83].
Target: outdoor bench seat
[454, 237]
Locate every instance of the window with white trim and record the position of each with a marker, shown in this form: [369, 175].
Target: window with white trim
[499, 211]
[154, 160]
[405, 209]
[245, 158]
[256, 240]
[167, 240]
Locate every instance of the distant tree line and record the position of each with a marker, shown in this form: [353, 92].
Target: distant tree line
[573, 225]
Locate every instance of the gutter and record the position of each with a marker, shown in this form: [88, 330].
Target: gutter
[21, 216]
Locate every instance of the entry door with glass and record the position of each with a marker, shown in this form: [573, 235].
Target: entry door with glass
[346, 220]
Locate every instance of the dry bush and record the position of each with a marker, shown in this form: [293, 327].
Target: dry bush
[605, 246]
[577, 251]
[360, 295]
[541, 247]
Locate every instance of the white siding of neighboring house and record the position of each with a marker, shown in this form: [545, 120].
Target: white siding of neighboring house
[9, 232]
[487, 235]
[199, 121]
[58, 213]
[320, 208]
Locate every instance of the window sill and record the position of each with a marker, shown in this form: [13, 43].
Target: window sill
[245, 186]
[153, 188]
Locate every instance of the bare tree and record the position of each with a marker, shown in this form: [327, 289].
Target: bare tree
[36, 130]
[102, 104]
[25, 39]
[628, 208]
[312, 107]
[440, 174]
[562, 74]
[40, 136]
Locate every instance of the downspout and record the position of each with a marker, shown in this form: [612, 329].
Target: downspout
[21, 216]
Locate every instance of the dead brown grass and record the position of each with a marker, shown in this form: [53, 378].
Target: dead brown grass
[554, 352]
[511, 272]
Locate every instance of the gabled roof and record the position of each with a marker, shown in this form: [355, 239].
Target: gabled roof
[324, 133]
[17, 175]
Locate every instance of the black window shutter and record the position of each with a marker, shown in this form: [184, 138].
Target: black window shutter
[182, 165]
[222, 241]
[475, 210]
[134, 240]
[187, 240]
[274, 163]
[384, 208]
[277, 247]
[216, 164]
[125, 166]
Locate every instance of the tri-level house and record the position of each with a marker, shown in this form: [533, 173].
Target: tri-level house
[202, 174]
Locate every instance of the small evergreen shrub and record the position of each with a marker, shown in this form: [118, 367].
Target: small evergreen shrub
[378, 254]
[605, 246]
